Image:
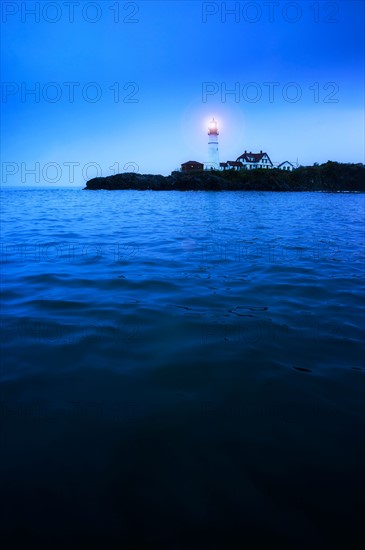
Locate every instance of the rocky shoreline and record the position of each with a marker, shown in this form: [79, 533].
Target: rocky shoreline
[328, 177]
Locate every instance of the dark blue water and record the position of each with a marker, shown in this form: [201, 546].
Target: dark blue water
[182, 370]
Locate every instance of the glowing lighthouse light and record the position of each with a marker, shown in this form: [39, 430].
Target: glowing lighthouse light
[213, 153]
[212, 126]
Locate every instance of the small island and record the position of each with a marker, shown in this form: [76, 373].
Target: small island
[328, 177]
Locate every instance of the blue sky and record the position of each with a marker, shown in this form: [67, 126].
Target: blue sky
[146, 77]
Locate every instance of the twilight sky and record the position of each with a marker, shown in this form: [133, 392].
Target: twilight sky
[115, 86]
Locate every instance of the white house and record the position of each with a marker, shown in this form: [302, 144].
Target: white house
[286, 165]
[251, 161]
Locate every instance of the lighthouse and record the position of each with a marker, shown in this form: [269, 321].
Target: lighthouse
[213, 153]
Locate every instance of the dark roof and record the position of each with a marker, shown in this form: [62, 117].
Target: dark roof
[223, 164]
[234, 163]
[285, 162]
[190, 162]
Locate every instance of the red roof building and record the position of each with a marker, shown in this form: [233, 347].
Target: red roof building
[191, 166]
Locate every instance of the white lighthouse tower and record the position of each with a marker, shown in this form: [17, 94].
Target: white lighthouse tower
[213, 153]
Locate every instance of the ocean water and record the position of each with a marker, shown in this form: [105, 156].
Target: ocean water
[182, 369]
